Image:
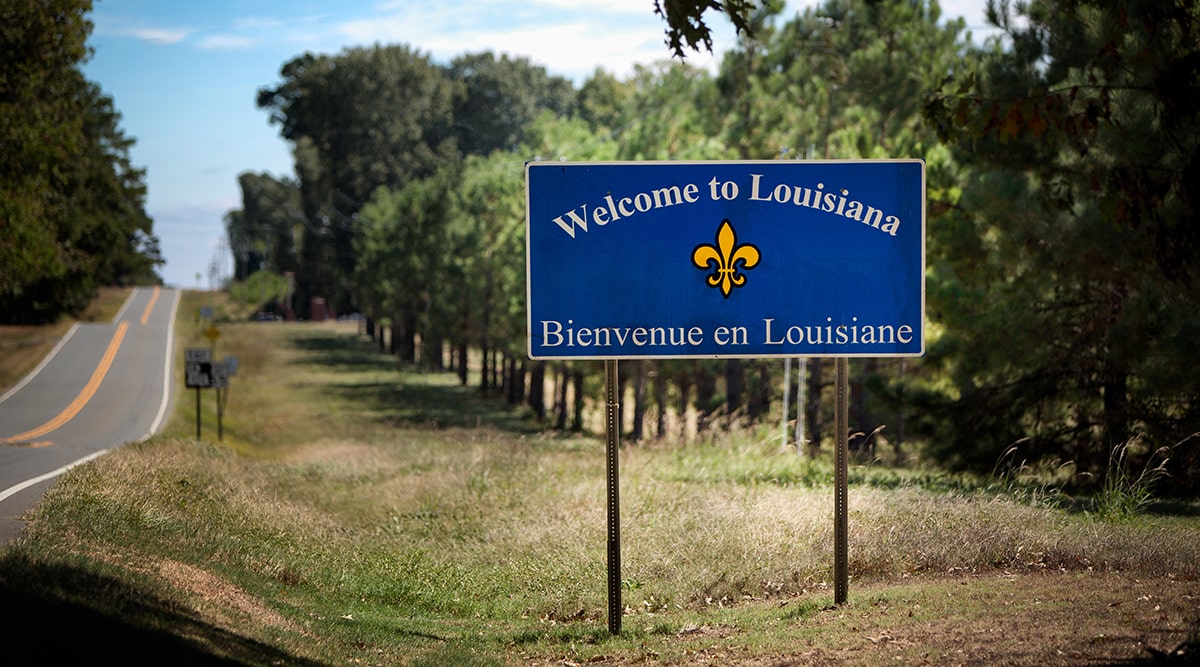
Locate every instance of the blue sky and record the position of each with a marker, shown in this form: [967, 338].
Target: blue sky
[184, 76]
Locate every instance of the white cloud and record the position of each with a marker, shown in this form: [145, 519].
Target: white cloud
[161, 36]
[568, 37]
[227, 42]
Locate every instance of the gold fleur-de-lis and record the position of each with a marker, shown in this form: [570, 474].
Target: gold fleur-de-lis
[726, 259]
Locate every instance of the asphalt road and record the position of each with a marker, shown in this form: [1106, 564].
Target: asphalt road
[103, 385]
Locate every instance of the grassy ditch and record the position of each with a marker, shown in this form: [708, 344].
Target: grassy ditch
[354, 514]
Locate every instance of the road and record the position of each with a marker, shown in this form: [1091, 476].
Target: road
[102, 386]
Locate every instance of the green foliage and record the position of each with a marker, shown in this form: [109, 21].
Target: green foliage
[1063, 281]
[1126, 491]
[367, 118]
[685, 21]
[1060, 289]
[501, 99]
[261, 291]
[263, 233]
[71, 204]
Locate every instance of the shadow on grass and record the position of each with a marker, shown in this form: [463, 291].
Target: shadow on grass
[427, 399]
[60, 615]
[344, 351]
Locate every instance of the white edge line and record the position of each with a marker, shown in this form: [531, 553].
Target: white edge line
[50, 475]
[63, 341]
[166, 393]
[121, 313]
[25, 380]
[162, 408]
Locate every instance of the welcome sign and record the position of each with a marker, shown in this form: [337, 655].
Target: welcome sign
[725, 259]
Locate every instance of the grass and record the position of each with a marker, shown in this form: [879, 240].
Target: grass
[354, 514]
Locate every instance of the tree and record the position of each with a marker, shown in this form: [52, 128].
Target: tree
[600, 100]
[401, 258]
[40, 129]
[685, 21]
[106, 197]
[668, 114]
[364, 119]
[1084, 130]
[71, 203]
[263, 233]
[501, 98]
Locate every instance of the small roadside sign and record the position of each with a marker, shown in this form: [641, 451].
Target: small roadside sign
[220, 375]
[197, 355]
[198, 374]
[212, 334]
[231, 365]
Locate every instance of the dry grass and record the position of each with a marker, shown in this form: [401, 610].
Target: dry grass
[340, 525]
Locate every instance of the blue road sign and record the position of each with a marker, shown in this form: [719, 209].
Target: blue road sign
[725, 259]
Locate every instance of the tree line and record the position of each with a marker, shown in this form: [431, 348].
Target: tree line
[72, 205]
[1061, 218]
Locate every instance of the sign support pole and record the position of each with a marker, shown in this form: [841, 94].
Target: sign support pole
[612, 431]
[197, 413]
[840, 483]
[220, 414]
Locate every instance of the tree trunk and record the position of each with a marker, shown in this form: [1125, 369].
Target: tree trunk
[735, 385]
[660, 402]
[760, 392]
[497, 367]
[537, 390]
[685, 392]
[577, 385]
[622, 382]
[521, 368]
[859, 427]
[408, 342]
[898, 433]
[812, 410]
[462, 362]
[484, 329]
[431, 354]
[560, 397]
[1116, 409]
[639, 400]
[706, 388]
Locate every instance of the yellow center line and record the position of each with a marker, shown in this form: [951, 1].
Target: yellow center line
[84, 396]
[149, 306]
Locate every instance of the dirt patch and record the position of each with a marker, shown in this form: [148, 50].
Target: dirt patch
[997, 618]
[1046, 619]
[1057, 618]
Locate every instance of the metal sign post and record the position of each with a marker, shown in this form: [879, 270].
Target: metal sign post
[612, 431]
[220, 383]
[841, 569]
[197, 374]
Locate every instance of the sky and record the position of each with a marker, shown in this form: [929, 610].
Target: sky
[184, 76]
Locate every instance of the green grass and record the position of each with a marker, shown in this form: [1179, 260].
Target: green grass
[354, 514]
